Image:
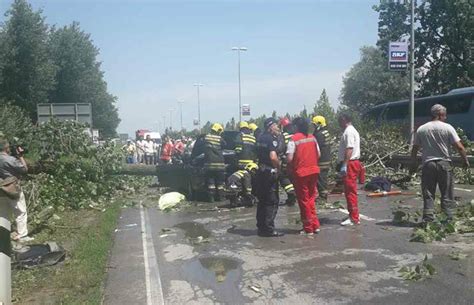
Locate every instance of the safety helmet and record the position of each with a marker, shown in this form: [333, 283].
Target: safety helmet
[319, 120]
[284, 121]
[253, 126]
[217, 128]
[251, 166]
[243, 124]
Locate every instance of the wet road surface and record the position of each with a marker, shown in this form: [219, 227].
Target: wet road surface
[200, 255]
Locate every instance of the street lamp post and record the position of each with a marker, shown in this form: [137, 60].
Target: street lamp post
[171, 118]
[197, 85]
[238, 49]
[180, 104]
[164, 123]
[412, 74]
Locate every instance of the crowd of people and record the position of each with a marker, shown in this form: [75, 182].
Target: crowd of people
[157, 151]
[288, 155]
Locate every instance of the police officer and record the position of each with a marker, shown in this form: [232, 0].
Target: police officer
[214, 166]
[285, 182]
[246, 148]
[324, 140]
[267, 179]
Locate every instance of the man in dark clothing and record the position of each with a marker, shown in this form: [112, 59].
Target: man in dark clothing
[240, 183]
[267, 179]
[214, 165]
[285, 182]
[324, 140]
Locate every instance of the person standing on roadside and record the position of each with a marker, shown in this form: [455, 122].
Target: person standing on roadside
[349, 167]
[302, 156]
[321, 133]
[435, 139]
[12, 168]
[267, 179]
[166, 151]
[149, 148]
[140, 150]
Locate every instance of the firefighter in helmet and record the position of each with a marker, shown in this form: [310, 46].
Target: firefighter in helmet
[246, 147]
[214, 165]
[324, 140]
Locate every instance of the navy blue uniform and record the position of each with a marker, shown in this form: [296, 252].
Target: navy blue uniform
[267, 184]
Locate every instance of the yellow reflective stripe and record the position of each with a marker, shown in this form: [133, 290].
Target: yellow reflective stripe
[289, 187]
[305, 140]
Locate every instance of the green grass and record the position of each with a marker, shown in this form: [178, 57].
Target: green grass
[87, 236]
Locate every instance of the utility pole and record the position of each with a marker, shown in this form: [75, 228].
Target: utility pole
[197, 85]
[171, 118]
[164, 123]
[238, 49]
[5, 254]
[412, 74]
[180, 104]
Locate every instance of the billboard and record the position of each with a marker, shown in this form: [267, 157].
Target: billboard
[246, 109]
[398, 56]
[65, 112]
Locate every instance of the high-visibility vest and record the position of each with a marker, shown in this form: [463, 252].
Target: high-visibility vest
[325, 142]
[305, 158]
[246, 149]
[213, 156]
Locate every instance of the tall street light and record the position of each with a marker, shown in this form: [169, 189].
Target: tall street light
[197, 85]
[180, 104]
[412, 74]
[171, 118]
[238, 49]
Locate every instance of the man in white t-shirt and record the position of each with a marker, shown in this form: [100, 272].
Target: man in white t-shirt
[435, 139]
[350, 167]
[149, 147]
[140, 150]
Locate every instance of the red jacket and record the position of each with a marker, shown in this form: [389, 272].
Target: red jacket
[306, 156]
[166, 151]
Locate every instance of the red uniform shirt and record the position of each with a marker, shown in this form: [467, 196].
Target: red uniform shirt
[306, 155]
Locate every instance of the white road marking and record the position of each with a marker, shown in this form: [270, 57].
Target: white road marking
[460, 189]
[360, 215]
[154, 290]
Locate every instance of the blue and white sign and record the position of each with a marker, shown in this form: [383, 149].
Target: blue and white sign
[398, 56]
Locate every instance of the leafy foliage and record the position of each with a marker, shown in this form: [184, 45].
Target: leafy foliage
[369, 83]
[443, 40]
[27, 74]
[39, 64]
[79, 78]
[323, 107]
[419, 272]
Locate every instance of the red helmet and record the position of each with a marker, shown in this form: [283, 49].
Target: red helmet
[284, 121]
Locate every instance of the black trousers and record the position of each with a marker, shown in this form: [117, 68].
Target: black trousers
[323, 183]
[215, 180]
[437, 173]
[268, 199]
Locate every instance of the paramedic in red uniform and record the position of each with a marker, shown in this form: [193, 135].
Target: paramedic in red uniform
[349, 166]
[303, 155]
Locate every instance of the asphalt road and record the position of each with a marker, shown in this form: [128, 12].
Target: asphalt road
[200, 255]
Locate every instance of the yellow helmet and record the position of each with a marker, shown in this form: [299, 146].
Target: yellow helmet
[243, 124]
[251, 166]
[253, 126]
[217, 128]
[319, 120]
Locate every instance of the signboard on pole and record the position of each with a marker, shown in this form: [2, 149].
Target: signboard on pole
[246, 109]
[398, 56]
[196, 122]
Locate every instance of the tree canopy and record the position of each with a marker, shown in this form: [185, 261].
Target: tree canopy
[42, 64]
[444, 40]
[369, 82]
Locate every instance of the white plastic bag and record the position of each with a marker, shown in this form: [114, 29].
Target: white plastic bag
[170, 200]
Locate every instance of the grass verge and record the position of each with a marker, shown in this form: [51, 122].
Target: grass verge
[87, 236]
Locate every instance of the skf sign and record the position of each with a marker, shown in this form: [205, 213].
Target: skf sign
[398, 56]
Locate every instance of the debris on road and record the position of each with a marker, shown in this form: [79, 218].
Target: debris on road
[419, 272]
[457, 255]
[170, 200]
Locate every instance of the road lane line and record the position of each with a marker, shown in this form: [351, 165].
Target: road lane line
[154, 290]
[464, 190]
[360, 215]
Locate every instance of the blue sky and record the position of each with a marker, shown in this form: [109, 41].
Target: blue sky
[154, 51]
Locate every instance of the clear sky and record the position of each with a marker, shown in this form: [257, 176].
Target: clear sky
[154, 51]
